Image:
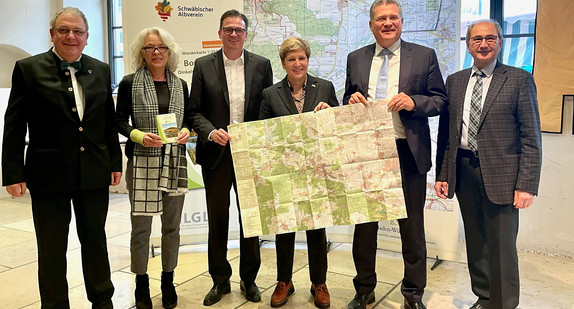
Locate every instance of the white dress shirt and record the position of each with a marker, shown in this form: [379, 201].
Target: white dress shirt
[393, 80]
[235, 74]
[76, 87]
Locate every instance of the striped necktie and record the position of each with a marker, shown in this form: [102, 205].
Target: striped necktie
[475, 111]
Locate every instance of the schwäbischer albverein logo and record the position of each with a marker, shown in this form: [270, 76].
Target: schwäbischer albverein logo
[164, 9]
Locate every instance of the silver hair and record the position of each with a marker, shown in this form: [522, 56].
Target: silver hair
[70, 11]
[165, 37]
[492, 21]
[385, 2]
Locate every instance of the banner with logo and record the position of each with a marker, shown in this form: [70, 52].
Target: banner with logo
[193, 24]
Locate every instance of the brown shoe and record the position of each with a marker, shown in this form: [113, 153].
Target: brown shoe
[282, 291]
[321, 295]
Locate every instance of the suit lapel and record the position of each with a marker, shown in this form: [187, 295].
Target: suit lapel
[220, 72]
[284, 93]
[248, 69]
[310, 94]
[457, 96]
[498, 80]
[365, 68]
[406, 62]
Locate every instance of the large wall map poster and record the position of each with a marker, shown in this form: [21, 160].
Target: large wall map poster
[335, 28]
[338, 166]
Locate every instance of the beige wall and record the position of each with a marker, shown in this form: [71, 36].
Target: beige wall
[25, 26]
[548, 225]
[23, 32]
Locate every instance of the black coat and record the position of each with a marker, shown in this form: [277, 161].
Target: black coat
[64, 154]
[210, 99]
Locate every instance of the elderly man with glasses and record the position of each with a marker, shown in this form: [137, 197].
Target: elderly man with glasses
[63, 100]
[490, 155]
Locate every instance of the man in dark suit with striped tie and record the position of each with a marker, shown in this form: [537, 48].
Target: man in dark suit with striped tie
[491, 154]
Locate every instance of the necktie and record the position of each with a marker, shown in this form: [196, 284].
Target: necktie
[383, 78]
[475, 111]
[76, 65]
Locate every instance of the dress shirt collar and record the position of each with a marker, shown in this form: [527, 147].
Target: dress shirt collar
[228, 61]
[394, 48]
[487, 70]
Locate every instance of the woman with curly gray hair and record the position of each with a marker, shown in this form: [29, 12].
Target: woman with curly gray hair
[156, 174]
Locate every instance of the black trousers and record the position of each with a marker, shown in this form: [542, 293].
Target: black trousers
[52, 215]
[218, 182]
[316, 252]
[412, 235]
[491, 231]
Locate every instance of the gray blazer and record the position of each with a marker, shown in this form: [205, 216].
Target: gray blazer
[509, 137]
[277, 100]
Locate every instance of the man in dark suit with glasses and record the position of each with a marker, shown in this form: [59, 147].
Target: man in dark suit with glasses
[226, 88]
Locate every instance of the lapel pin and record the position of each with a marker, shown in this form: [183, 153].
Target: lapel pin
[89, 71]
[313, 85]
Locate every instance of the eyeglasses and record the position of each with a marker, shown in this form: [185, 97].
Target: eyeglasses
[229, 31]
[490, 39]
[152, 49]
[392, 18]
[65, 31]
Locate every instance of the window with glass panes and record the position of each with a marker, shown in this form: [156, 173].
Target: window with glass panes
[517, 18]
[116, 45]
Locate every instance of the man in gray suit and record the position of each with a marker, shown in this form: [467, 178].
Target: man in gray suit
[415, 89]
[226, 88]
[491, 153]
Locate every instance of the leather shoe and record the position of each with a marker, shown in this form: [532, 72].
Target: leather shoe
[282, 291]
[217, 291]
[250, 291]
[414, 305]
[321, 295]
[361, 300]
[477, 306]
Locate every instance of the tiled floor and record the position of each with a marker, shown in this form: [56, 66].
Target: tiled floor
[547, 281]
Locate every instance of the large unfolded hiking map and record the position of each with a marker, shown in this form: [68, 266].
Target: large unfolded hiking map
[338, 166]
